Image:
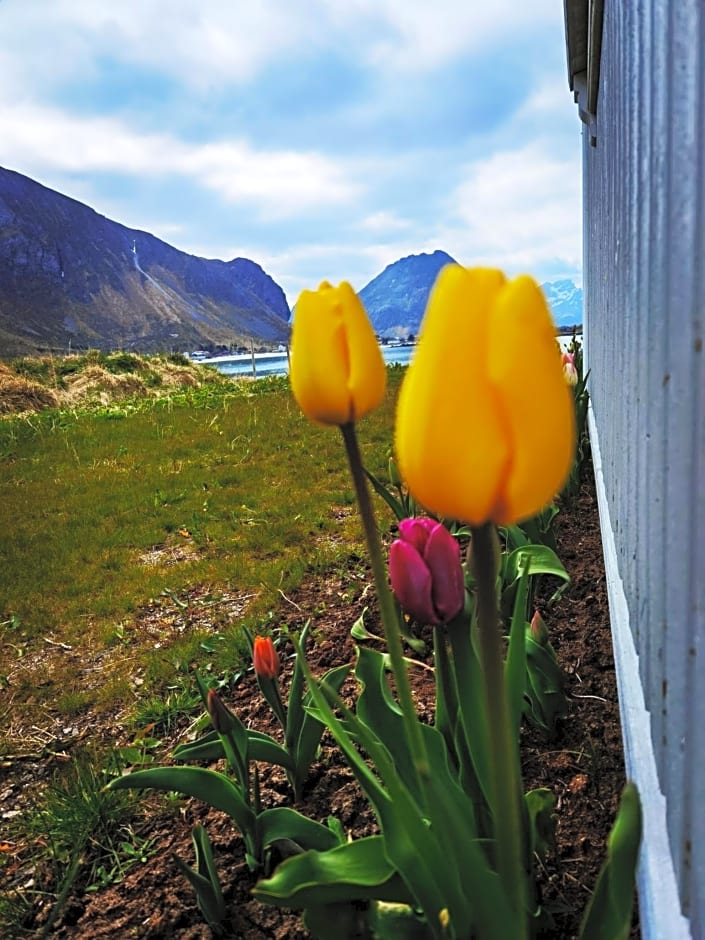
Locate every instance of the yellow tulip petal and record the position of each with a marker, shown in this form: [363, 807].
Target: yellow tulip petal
[320, 362]
[451, 441]
[525, 365]
[367, 373]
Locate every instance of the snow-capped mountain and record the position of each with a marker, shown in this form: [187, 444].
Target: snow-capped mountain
[566, 301]
[395, 300]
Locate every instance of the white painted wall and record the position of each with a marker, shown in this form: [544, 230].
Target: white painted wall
[644, 277]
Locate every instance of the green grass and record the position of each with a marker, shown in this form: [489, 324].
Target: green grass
[136, 539]
[78, 831]
[227, 488]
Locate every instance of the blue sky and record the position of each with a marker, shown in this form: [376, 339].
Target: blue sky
[323, 139]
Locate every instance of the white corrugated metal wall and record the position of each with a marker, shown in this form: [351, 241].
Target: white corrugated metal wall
[644, 259]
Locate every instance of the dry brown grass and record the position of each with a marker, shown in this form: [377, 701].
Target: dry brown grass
[50, 384]
[18, 394]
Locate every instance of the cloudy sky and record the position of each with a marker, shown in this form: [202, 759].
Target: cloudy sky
[323, 139]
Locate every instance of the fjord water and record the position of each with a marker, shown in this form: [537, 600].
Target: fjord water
[277, 363]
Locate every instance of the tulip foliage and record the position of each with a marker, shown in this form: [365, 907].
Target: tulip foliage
[485, 439]
[576, 377]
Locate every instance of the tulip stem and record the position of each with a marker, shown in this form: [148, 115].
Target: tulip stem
[388, 610]
[505, 776]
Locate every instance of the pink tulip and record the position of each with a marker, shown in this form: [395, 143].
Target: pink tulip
[426, 572]
[569, 370]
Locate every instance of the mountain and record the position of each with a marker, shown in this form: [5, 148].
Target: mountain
[396, 299]
[565, 300]
[71, 278]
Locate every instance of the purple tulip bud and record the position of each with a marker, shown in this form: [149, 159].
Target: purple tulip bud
[426, 572]
[220, 715]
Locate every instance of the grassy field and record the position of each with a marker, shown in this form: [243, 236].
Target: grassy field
[117, 520]
[144, 519]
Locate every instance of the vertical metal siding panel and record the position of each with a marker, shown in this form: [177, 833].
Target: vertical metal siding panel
[611, 161]
[626, 300]
[644, 257]
[656, 437]
[673, 681]
[681, 199]
[642, 170]
[696, 554]
[696, 648]
[694, 491]
[608, 243]
[631, 312]
[621, 171]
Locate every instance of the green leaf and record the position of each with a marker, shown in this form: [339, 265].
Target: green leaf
[359, 631]
[609, 913]
[394, 504]
[451, 846]
[282, 822]
[351, 872]
[210, 904]
[514, 537]
[541, 805]
[540, 559]
[545, 696]
[205, 879]
[264, 748]
[469, 684]
[207, 785]
[294, 711]
[205, 864]
[539, 529]
[312, 727]
[378, 711]
[341, 919]
[515, 665]
[209, 748]
[409, 843]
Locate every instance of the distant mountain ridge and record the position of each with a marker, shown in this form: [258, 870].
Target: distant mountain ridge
[71, 277]
[395, 300]
[565, 299]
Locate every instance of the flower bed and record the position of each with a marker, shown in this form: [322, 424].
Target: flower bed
[584, 766]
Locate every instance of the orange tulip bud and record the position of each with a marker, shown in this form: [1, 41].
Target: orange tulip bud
[539, 631]
[265, 658]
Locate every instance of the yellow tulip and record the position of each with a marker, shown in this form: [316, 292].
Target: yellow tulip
[337, 370]
[485, 427]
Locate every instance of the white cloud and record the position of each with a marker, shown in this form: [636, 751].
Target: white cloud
[518, 209]
[348, 218]
[200, 43]
[384, 220]
[215, 42]
[277, 183]
[425, 35]
[281, 183]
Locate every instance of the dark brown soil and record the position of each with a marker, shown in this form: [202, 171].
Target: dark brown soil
[583, 766]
